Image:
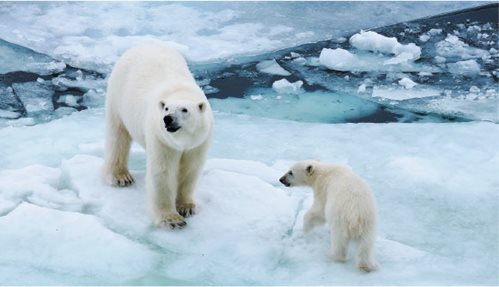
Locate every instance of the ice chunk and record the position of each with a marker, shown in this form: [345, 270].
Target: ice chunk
[70, 243]
[36, 97]
[453, 47]
[372, 41]
[404, 94]
[283, 86]
[338, 59]
[361, 88]
[424, 38]
[468, 68]
[343, 60]
[69, 100]
[271, 67]
[9, 115]
[407, 83]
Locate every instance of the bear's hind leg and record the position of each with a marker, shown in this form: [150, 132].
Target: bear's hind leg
[118, 143]
[339, 244]
[365, 254]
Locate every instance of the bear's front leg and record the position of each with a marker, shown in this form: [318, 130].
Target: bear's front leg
[314, 216]
[161, 184]
[191, 165]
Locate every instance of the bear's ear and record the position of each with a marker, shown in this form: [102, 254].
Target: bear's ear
[310, 170]
[202, 107]
[161, 105]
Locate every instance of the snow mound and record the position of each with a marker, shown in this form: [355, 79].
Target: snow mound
[68, 242]
[374, 42]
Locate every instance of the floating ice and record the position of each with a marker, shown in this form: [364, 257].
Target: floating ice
[87, 35]
[398, 94]
[283, 86]
[338, 59]
[407, 83]
[453, 47]
[36, 97]
[372, 41]
[272, 67]
[468, 68]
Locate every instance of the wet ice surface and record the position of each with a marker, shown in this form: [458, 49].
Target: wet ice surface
[435, 185]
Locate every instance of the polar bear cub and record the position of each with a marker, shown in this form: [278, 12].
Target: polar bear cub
[153, 99]
[345, 202]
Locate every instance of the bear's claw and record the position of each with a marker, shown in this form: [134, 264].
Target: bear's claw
[173, 221]
[186, 209]
[122, 180]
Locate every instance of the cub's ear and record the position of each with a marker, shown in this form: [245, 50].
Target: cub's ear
[161, 105]
[310, 170]
[202, 107]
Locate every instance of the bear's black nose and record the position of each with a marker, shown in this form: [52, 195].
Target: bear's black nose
[168, 120]
[283, 181]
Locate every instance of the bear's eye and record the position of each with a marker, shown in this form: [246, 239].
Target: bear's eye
[166, 109]
[184, 110]
[290, 173]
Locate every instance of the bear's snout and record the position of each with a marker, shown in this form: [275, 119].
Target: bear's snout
[284, 181]
[168, 120]
[170, 124]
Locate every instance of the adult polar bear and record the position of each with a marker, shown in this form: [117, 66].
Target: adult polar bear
[153, 99]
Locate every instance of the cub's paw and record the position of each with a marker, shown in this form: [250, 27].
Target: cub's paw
[121, 179]
[367, 266]
[172, 221]
[186, 209]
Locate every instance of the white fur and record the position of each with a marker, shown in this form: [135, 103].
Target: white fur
[144, 82]
[345, 202]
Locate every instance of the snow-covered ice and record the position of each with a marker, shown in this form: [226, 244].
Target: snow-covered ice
[435, 185]
[93, 35]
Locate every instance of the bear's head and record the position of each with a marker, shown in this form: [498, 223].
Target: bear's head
[184, 123]
[300, 174]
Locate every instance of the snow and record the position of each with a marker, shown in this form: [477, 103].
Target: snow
[271, 67]
[283, 86]
[436, 184]
[69, 242]
[83, 231]
[374, 42]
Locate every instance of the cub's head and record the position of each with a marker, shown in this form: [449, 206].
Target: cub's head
[184, 124]
[300, 174]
